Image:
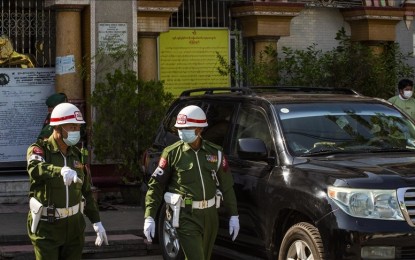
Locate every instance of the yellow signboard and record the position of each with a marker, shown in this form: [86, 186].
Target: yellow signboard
[188, 58]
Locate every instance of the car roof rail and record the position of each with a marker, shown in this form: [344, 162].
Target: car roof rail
[217, 90]
[299, 89]
[259, 89]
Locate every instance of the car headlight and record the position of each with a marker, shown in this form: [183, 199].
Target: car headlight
[363, 203]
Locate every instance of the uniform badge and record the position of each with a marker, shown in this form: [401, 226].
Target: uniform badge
[36, 155]
[212, 158]
[37, 150]
[158, 172]
[162, 163]
[181, 119]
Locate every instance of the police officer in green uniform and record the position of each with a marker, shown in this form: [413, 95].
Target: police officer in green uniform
[52, 101]
[60, 191]
[404, 99]
[195, 170]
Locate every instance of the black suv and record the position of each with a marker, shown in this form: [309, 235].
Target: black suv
[320, 173]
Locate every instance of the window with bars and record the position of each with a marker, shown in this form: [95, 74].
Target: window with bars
[27, 34]
[201, 13]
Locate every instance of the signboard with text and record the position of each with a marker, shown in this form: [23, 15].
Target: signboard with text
[111, 35]
[189, 58]
[23, 93]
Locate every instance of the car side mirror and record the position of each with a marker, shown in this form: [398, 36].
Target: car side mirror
[252, 149]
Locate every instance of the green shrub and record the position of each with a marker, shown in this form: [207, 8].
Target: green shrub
[350, 64]
[128, 112]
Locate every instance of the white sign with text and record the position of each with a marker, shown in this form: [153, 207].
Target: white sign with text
[23, 93]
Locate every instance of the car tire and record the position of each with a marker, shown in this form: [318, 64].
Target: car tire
[302, 241]
[168, 238]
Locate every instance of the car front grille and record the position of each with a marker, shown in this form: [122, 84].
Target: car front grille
[406, 197]
[404, 253]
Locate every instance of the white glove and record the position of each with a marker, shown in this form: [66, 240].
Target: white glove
[101, 235]
[68, 175]
[234, 227]
[149, 228]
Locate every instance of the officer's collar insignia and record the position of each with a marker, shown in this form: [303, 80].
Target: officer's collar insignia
[186, 146]
[77, 164]
[212, 158]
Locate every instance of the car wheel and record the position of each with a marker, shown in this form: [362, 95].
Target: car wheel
[168, 238]
[302, 242]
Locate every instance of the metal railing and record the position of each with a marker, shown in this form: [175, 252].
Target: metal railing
[201, 13]
[27, 31]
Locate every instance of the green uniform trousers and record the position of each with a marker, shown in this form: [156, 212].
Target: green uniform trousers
[64, 239]
[197, 232]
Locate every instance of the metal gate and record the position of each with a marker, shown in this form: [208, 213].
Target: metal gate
[201, 13]
[27, 34]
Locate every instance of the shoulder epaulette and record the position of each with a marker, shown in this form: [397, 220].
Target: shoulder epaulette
[173, 146]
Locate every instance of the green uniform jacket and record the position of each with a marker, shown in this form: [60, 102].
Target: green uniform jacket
[44, 164]
[408, 106]
[178, 172]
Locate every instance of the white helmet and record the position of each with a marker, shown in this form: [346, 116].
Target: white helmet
[191, 116]
[66, 113]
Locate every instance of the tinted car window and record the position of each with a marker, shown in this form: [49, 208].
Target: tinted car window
[252, 123]
[219, 118]
[310, 128]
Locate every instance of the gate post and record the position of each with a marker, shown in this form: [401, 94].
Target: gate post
[265, 22]
[153, 18]
[68, 48]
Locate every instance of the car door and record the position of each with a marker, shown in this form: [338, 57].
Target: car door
[250, 178]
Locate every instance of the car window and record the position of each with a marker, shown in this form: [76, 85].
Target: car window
[219, 118]
[252, 123]
[310, 128]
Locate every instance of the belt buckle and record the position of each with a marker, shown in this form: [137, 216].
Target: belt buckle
[66, 212]
[203, 204]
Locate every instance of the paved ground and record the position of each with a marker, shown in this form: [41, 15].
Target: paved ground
[114, 217]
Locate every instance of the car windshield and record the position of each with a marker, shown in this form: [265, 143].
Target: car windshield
[326, 128]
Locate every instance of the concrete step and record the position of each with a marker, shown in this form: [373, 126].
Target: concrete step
[121, 245]
[14, 189]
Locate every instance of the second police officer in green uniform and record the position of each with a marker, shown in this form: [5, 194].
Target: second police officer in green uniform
[194, 171]
[58, 184]
[52, 101]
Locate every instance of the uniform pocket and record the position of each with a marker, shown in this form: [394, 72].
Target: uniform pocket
[186, 173]
[211, 166]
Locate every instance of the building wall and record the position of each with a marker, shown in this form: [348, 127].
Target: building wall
[320, 25]
[113, 11]
[315, 25]
[405, 38]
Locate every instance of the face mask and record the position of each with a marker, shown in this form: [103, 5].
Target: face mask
[187, 135]
[407, 93]
[73, 138]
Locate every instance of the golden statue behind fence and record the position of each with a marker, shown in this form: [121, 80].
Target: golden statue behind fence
[9, 57]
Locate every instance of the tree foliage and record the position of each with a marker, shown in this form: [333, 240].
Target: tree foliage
[128, 112]
[351, 65]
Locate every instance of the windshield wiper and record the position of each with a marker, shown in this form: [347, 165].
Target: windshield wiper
[324, 152]
[390, 149]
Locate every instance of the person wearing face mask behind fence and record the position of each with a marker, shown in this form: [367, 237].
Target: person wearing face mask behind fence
[196, 176]
[60, 191]
[404, 99]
